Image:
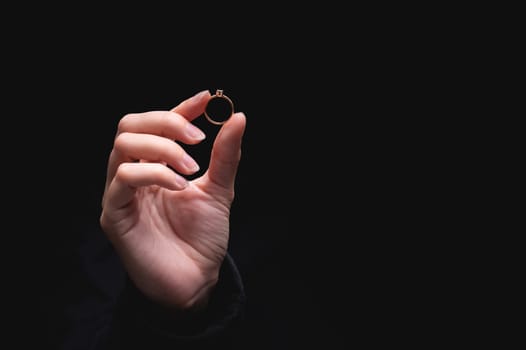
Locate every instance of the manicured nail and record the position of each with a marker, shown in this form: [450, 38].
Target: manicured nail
[194, 132]
[190, 164]
[201, 94]
[181, 181]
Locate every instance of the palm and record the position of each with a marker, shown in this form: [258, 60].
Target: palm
[191, 222]
[180, 237]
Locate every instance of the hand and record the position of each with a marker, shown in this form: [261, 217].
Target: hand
[171, 234]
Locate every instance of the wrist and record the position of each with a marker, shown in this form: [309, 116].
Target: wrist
[199, 300]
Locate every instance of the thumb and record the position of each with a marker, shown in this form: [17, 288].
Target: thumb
[226, 152]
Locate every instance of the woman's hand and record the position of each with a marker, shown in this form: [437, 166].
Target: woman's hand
[171, 234]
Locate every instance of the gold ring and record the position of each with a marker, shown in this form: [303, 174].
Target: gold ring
[219, 94]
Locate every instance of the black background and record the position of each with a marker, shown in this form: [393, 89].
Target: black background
[342, 223]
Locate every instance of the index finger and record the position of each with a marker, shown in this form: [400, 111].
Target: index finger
[194, 106]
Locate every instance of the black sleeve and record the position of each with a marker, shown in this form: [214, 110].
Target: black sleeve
[140, 323]
[98, 307]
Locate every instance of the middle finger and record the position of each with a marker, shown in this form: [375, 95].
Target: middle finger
[153, 148]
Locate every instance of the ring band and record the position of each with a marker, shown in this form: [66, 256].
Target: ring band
[219, 94]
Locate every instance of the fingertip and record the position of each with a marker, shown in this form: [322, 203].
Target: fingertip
[180, 183]
[194, 106]
[238, 117]
[202, 94]
[241, 115]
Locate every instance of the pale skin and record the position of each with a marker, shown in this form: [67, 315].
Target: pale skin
[171, 234]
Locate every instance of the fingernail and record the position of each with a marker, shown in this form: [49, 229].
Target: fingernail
[181, 181]
[201, 94]
[194, 132]
[190, 164]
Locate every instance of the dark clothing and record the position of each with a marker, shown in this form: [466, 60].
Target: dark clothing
[96, 306]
